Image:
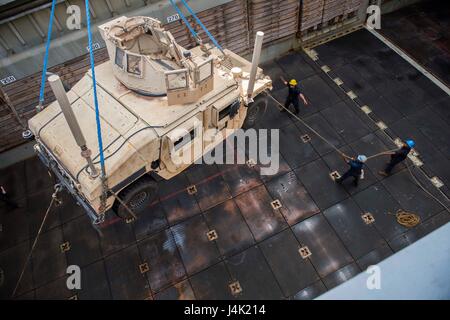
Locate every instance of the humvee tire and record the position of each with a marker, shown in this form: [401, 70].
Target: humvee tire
[137, 196]
[255, 112]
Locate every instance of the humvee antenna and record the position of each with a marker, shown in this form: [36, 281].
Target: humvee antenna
[198, 40]
[255, 61]
[64, 104]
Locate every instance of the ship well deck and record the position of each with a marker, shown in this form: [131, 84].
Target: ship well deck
[165, 254]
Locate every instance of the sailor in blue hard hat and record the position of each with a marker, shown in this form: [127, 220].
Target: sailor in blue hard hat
[355, 170]
[398, 156]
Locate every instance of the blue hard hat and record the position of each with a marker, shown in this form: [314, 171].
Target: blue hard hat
[410, 143]
[362, 158]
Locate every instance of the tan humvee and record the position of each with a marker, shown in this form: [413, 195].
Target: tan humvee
[151, 95]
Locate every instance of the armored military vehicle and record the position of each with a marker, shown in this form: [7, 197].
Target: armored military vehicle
[156, 99]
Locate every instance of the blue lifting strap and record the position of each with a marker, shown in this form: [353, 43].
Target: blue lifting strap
[203, 27]
[196, 37]
[47, 49]
[94, 84]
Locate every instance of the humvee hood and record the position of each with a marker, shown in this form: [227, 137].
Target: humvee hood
[50, 128]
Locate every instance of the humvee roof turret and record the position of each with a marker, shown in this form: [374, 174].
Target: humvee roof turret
[151, 94]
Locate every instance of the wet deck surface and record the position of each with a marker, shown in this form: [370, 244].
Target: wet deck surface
[423, 31]
[256, 245]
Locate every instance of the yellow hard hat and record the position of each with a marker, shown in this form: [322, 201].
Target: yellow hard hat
[293, 82]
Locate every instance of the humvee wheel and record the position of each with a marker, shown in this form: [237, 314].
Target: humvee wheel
[255, 112]
[138, 196]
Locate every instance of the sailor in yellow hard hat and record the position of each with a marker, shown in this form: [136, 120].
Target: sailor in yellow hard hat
[293, 95]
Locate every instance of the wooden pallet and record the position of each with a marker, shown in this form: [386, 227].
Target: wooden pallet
[329, 33]
[277, 19]
[333, 9]
[311, 14]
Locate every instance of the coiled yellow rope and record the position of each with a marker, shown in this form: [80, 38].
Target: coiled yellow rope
[407, 219]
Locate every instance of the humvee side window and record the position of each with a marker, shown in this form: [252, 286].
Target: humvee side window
[230, 110]
[119, 58]
[224, 112]
[188, 137]
[134, 64]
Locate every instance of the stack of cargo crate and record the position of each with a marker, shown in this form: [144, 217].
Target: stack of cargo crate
[332, 9]
[311, 14]
[227, 23]
[352, 6]
[23, 95]
[278, 19]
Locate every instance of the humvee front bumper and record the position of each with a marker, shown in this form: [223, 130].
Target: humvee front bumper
[66, 181]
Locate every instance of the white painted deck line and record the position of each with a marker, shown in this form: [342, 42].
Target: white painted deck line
[419, 271]
[405, 56]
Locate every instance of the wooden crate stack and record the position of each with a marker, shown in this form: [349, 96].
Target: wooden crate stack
[352, 6]
[311, 14]
[227, 23]
[24, 95]
[181, 33]
[333, 9]
[278, 19]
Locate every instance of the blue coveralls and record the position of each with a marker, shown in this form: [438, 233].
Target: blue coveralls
[354, 171]
[293, 98]
[396, 158]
